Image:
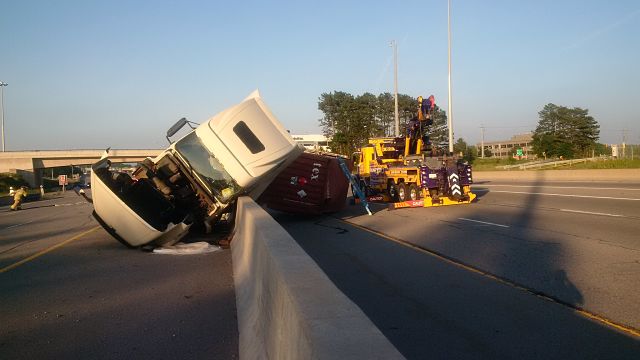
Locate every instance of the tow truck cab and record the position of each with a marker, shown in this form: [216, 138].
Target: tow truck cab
[196, 180]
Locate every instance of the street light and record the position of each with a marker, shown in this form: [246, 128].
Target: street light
[394, 45]
[450, 115]
[2, 85]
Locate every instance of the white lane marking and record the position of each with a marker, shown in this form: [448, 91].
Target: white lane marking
[591, 213]
[484, 222]
[77, 203]
[16, 225]
[565, 195]
[561, 187]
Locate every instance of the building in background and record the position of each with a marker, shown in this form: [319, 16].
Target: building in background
[506, 148]
[313, 142]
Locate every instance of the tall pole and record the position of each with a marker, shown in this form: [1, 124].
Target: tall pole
[449, 109]
[395, 84]
[482, 148]
[2, 85]
[624, 141]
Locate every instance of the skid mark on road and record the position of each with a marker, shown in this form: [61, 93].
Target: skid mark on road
[47, 250]
[455, 262]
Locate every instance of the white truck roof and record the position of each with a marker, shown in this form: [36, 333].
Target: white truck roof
[248, 140]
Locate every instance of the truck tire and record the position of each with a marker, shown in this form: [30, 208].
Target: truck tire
[392, 191]
[414, 192]
[403, 193]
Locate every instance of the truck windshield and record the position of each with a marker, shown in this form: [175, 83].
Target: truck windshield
[207, 167]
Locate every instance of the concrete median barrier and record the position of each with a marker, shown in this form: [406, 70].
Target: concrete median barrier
[287, 307]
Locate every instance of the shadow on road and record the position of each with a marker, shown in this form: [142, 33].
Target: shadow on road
[458, 289]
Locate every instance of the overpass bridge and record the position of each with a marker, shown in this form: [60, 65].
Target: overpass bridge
[31, 163]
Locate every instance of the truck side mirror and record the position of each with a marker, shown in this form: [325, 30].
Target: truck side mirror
[177, 126]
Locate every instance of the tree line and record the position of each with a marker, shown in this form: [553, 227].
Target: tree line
[349, 121]
[565, 132]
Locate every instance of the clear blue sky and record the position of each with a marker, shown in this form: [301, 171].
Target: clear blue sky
[92, 74]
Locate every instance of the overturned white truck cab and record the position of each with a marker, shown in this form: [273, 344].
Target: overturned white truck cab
[196, 180]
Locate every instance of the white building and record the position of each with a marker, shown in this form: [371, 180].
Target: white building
[314, 142]
[504, 148]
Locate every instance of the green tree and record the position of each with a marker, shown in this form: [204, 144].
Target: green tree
[439, 131]
[385, 113]
[351, 120]
[565, 132]
[461, 147]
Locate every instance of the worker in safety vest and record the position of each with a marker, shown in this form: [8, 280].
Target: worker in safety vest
[18, 197]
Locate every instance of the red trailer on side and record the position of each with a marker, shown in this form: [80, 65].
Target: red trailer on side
[313, 184]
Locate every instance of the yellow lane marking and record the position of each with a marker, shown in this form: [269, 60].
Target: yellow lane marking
[47, 250]
[626, 329]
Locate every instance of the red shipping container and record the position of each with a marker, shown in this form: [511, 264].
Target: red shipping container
[313, 184]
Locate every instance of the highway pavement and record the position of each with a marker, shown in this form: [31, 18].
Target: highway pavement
[531, 270]
[70, 291]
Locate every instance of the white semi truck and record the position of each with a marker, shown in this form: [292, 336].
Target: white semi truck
[196, 180]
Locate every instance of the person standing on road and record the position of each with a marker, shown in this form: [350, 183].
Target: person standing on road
[18, 197]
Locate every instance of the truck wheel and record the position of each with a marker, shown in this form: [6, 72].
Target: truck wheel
[392, 191]
[414, 193]
[402, 192]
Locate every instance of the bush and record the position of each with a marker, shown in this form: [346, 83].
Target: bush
[10, 180]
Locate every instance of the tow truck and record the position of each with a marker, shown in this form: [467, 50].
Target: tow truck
[409, 171]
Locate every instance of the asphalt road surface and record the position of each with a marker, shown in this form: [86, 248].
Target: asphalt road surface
[70, 291]
[531, 270]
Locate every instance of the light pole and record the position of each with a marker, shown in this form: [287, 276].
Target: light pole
[2, 85]
[482, 149]
[450, 115]
[395, 84]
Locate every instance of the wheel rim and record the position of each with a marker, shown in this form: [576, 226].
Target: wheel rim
[401, 194]
[413, 194]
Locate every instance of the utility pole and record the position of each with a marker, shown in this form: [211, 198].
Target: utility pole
[482, 137]
[624, 140]
[450, 112]
[394, 44]
[2, 85]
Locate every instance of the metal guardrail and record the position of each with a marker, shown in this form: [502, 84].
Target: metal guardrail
[507, 167]
[551, 163]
